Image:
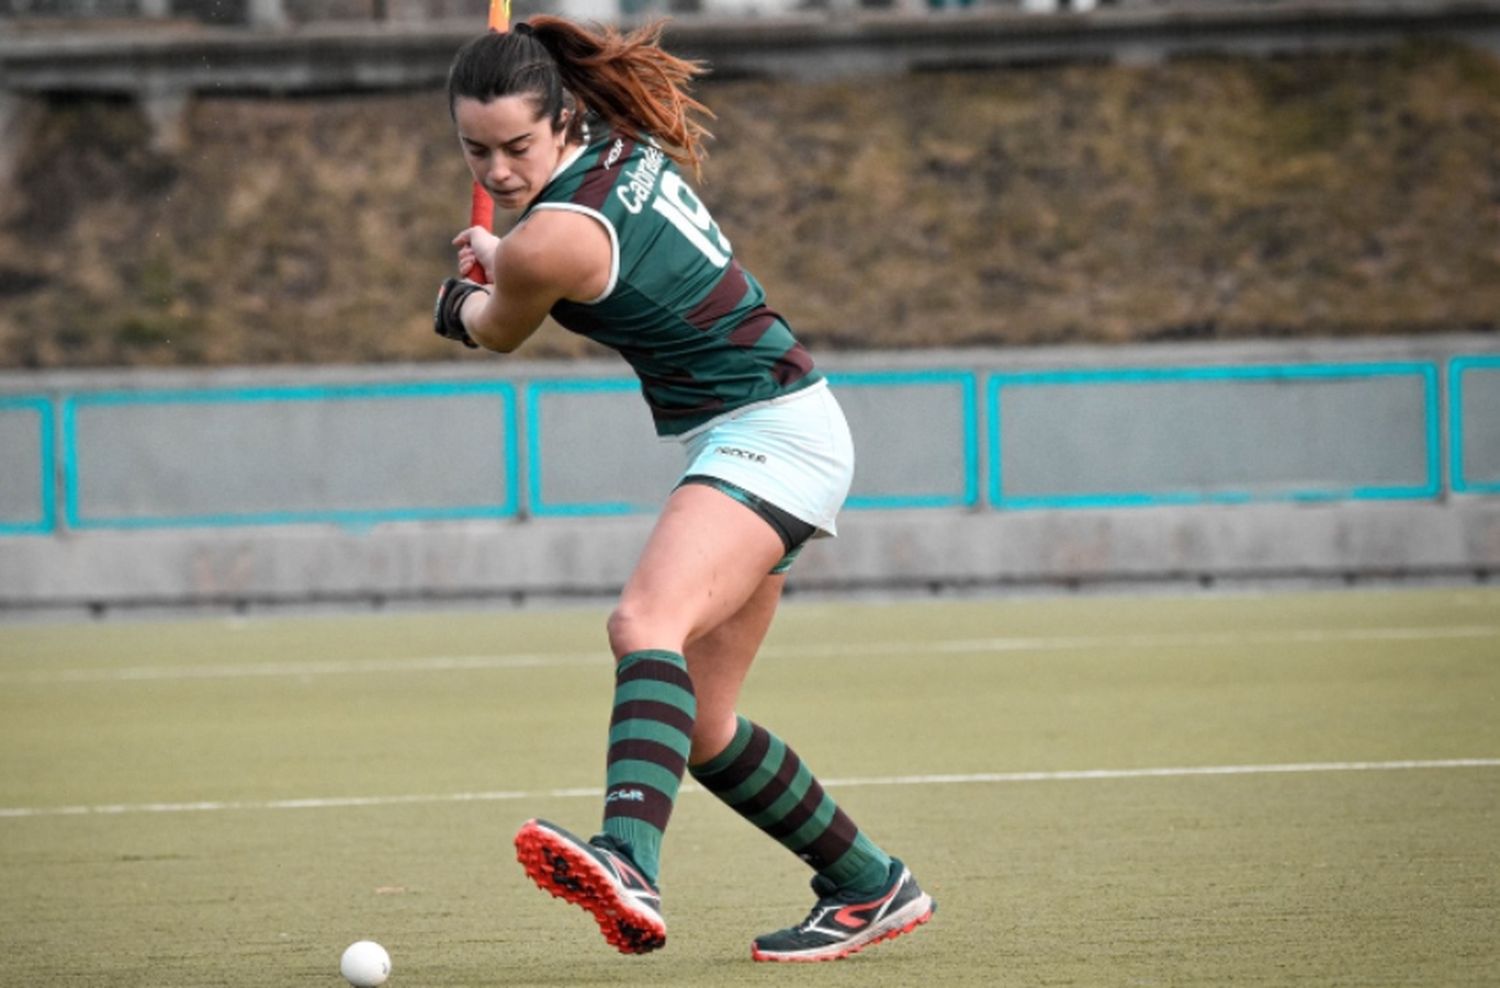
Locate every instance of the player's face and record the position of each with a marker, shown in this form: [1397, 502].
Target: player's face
[511, 150]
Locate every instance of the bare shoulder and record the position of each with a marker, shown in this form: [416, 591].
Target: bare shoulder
[563, 249]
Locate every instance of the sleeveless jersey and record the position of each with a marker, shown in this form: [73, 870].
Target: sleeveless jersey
[678, 307]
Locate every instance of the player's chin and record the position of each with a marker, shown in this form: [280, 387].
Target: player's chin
[514, 199]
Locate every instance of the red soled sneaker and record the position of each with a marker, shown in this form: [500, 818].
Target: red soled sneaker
[599, 876]
[844, 923]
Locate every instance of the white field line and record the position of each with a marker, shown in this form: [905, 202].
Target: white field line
[298, 670]
[343, 802]
[974, 646]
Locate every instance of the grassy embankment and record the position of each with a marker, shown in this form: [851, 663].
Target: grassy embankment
[1206, 199]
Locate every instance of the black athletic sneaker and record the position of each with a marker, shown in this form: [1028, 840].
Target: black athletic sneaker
[843, 923]
[599, 876]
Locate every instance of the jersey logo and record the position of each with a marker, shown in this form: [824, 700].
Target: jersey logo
[614, 153]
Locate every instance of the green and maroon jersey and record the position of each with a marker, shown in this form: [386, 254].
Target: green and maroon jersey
[692, 323]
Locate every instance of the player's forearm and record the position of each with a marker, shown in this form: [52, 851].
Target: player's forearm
[494, 324]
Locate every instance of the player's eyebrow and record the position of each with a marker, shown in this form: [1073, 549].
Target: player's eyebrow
[509, 142]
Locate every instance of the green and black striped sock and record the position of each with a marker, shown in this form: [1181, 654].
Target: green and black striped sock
[763, 780]
[650, 734]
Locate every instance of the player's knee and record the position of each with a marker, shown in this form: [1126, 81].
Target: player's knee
[633, 626]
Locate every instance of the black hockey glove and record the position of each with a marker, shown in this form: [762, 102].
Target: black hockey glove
[445, 314]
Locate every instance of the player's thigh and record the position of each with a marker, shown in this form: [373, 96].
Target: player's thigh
[705, 558]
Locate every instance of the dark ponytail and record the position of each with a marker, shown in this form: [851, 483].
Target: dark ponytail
[627, 79]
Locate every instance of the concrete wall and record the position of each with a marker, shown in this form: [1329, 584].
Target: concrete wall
[1067, 466]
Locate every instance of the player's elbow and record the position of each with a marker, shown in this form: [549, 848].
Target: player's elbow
[506, 346]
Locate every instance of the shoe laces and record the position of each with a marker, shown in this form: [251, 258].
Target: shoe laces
[613, 845]
[829, 895]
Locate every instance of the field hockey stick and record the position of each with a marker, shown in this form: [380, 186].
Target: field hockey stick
[481, 206]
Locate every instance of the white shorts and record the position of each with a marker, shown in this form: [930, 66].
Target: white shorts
[794, 452]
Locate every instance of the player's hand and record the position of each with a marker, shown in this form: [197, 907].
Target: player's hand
[476, 250]
[447, 313]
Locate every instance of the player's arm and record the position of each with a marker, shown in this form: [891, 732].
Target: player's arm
[554, 255]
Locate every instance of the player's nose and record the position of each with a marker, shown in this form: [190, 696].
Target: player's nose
[499, 174]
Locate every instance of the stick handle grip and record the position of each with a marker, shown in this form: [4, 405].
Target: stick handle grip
[499, 15]
[481, 207]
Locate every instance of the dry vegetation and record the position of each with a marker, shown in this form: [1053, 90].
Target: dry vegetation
[1200, 199]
